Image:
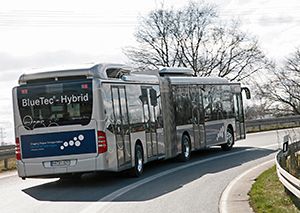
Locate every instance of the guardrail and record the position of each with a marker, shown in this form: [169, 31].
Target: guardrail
[7, 152]
[290, 182]
[272, 123]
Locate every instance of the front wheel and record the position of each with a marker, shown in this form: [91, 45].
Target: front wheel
[138, 168]
[229, 141]
[185, 148]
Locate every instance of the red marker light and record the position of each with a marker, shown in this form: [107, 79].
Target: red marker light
[18, 149]
[102, 142]
[84, 86]
[24, 91]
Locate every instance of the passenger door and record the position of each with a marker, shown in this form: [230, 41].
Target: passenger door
[149, 100]
[121, 125]
[197, 116]
[239, 117]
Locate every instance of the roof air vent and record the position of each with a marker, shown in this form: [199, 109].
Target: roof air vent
[176, 71]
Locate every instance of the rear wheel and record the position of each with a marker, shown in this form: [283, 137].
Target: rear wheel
[185, 148]
[229, 141]
[138, 168]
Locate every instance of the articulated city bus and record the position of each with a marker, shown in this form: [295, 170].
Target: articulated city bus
[106, 118]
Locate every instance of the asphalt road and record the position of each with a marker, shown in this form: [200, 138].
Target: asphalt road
[166, 186]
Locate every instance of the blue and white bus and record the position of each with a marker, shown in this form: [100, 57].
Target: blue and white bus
[106, 118]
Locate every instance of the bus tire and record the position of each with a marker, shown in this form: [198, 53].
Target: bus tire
[185, 148]
[229, 140]
[138, 168]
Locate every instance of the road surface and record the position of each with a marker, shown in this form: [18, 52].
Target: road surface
[166, 186]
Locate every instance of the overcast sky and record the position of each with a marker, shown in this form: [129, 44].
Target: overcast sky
[35, 34]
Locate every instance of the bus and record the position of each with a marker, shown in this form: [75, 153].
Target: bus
[104, 117]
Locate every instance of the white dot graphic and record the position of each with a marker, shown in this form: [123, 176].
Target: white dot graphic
[62, 147]
[81, 137]
[66, 144]
[75, 139]
[71, 143]
[77, 143]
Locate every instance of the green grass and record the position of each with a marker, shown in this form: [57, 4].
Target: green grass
[268, 195]
[11, 165]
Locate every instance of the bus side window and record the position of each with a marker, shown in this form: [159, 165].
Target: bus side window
[217, 106]
[207, 104]
[136, 101]
[227, 101]
[183, 106]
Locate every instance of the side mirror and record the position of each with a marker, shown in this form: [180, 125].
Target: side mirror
[247, 92]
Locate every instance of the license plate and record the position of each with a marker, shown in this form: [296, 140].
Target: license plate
[60, 163]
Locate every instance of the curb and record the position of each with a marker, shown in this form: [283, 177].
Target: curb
[235, 196]
[8, 174]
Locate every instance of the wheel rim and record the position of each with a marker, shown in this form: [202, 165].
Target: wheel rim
[139, 162]
[186, 147]
[229, 139]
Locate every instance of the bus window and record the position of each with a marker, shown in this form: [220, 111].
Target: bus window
[183, 106]
[207, 105]
[226, 97]
[216, 103]
[135, 108]
[155, 102]
[60, 104]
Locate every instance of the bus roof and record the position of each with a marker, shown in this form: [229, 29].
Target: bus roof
[104, 70]
[114, 71]
[198, 80]
[142, 78]
[153, 78]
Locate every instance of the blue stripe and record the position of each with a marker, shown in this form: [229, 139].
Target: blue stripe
[58, 144]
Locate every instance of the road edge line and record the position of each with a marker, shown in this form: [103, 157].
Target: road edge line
[223, 202]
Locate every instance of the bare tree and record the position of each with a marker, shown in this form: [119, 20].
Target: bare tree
[282, 89]
[191, 29]
[235, 55]
[195, 37]
[158, 46]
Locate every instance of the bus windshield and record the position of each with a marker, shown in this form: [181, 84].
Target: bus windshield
[57, 104]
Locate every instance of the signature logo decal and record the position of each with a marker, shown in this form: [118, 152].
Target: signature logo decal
[221, 133]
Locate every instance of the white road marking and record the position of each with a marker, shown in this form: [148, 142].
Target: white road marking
[105, 201]
[225, 195]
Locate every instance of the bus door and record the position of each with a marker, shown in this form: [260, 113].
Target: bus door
[121, 125]
[239, 117]
[197, 117]
[149, 100]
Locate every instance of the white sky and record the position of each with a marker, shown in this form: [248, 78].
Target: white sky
[35, 33]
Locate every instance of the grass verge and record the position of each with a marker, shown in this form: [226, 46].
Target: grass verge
[268, 194]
